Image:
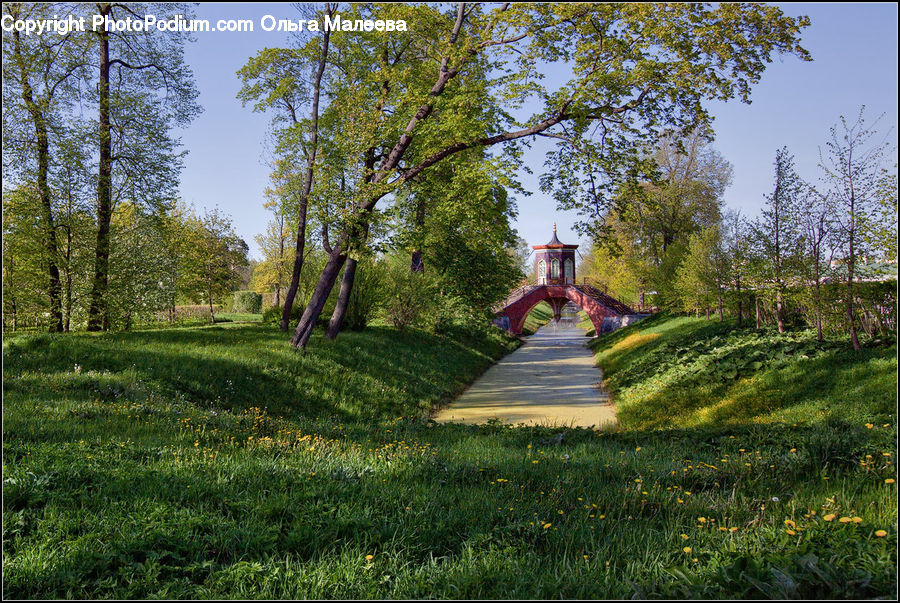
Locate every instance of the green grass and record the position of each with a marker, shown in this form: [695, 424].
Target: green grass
[670, 372]
[218, 462]
[540, 315]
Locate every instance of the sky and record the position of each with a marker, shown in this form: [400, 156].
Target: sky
[854, 49]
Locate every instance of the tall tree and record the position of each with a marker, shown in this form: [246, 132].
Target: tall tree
[144, 89]
[777, 233]
[275, 79]
[638, 70]
[39, 74]
[853, 171]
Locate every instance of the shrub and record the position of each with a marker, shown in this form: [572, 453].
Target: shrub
[366, 296]
[408, 295]
[247, 302]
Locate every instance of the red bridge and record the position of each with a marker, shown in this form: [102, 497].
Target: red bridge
[554, 265]
[596, 304]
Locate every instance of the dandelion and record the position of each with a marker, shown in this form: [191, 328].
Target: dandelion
[701, 519]
[845, 520]
[684, 536]
[791, 532]
[880, 533]
[369, 557]
[857, 520]
[889, 480]
[789, 523]
[686, 549]
[869, 426]
[829, 517]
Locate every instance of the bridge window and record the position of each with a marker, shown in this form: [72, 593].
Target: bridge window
[570, 270]
[554, 268]
[542, 272]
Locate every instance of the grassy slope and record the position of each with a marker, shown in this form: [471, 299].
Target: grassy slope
[217, 462]
[538, 317]
[685, 372]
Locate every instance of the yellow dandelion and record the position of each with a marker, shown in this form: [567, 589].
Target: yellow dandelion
[789, 523]
[889, 480]
[845, 520]
[369, 557]
[701, 519]
[686, 549]
[881, 533]
[732, 529]
[869, 426]
[684, 536]
[857, 520]
[829, 517]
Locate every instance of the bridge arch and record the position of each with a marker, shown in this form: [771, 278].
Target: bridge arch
[556, 296]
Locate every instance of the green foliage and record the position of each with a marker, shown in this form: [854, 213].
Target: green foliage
[247, 302]
[409, 296]
[366, 296]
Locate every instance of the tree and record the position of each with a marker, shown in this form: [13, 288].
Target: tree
[274, 78]
[38, 89]
[696, 277]
[777, 234]
[852, 172]
[638, 70]
[817, 233]
[144, 89]
[737, 247]
[274, 270]
[212, 255]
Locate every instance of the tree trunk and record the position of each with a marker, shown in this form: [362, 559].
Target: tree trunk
[757, 310]
[854, 338]
[99, 308]
[298, 268]
[343, 301]
[307, 184]
[320, 295]
[740, 308]
[43, 157]
[721, 311]
[416, 264]
[779, 310]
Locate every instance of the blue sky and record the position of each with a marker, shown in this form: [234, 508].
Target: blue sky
[854, 49]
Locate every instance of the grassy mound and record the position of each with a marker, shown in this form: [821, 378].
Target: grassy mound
[684, 372]
[218, 462]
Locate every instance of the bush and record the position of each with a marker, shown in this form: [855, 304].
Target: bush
[408, 295]
[247, 302]
[272, 315]
[366, 296]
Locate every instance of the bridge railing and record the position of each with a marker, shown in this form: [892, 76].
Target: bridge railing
[515, 296]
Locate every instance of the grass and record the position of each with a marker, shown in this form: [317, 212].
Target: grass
[540, 315]
[217, 462]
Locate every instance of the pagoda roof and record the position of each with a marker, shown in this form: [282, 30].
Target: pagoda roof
[555, 243]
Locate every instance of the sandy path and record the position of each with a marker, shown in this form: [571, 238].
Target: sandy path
[550, 380]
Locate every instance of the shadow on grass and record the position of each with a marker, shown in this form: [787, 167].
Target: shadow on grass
[375, 373]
